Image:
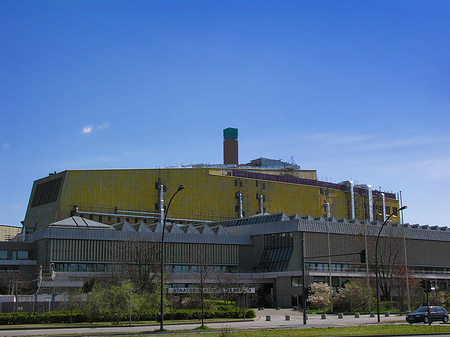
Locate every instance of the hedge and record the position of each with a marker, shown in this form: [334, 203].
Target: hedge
[79, 317]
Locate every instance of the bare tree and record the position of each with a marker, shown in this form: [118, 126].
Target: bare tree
[138, 262]
[389, 261]
[18, 283]
[203, 272]
[391, 269]
[225, 282]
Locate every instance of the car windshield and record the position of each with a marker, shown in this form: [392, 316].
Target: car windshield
[422, 309]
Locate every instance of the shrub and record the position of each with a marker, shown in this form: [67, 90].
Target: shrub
[79, 316]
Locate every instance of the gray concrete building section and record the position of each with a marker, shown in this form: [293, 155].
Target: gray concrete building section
[260, 251]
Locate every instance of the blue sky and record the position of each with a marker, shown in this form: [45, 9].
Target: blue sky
[354, 89]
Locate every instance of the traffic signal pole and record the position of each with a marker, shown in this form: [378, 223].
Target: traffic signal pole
[428, 308]
[361, 253]
[303, 282]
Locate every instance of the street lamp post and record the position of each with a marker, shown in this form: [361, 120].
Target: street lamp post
[162, 258]
[376, 259]
[130, 290]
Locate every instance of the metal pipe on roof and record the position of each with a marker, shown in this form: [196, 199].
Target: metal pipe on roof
[142, 216]
[261, 204]
[240, 205]
[368, 188]
[351, 187]
[327, 211]
[161, 202]
[383, 205]
[136, 212]
[370, 201]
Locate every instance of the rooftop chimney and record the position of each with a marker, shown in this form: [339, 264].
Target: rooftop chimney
[230, 146]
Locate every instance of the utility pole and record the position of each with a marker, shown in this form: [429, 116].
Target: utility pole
[303, 280]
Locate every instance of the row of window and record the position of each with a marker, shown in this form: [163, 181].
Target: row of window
[238, 183]
[341, 267]
[196, 269]
[275, 259]
[109, 267]
[334, 267]
[111, 219]
[278, 240]
[268, 266]
[8, 269]
[46, 192]
[14, 255]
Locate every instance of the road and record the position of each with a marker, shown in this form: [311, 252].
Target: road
[277, 321]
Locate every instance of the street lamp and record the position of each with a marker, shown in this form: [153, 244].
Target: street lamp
[376, 258]
[162, 259]
[130, 290]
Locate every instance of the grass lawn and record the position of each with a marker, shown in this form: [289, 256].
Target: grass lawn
[387, 329]
[109, 324]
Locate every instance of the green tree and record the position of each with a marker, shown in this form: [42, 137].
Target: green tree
[145, 303]
[352, 297]
[111, 302]
[91, 307]
[115, 302]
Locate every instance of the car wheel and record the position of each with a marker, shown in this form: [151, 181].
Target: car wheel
[445, 319]
[426, 320]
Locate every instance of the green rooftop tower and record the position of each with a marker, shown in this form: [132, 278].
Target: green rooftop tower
[230, 146]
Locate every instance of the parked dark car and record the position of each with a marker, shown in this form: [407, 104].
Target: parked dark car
[421, 315]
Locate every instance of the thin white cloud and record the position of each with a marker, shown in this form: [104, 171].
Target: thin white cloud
[104, 126]
[90, 128]
[6, 146]
[87, 129]
[437, 168]
[16, 206]
[335, 138]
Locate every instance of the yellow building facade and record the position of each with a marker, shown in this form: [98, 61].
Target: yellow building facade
[8, 232]
[211, 194]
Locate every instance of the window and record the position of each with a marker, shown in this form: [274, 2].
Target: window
[100, 218]
[46, 192]
[296, 281]
[109, 219]
[118, 219]
[91, 217]
[22, 255]
[3, 254]
[394, 210]
[388, 210]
